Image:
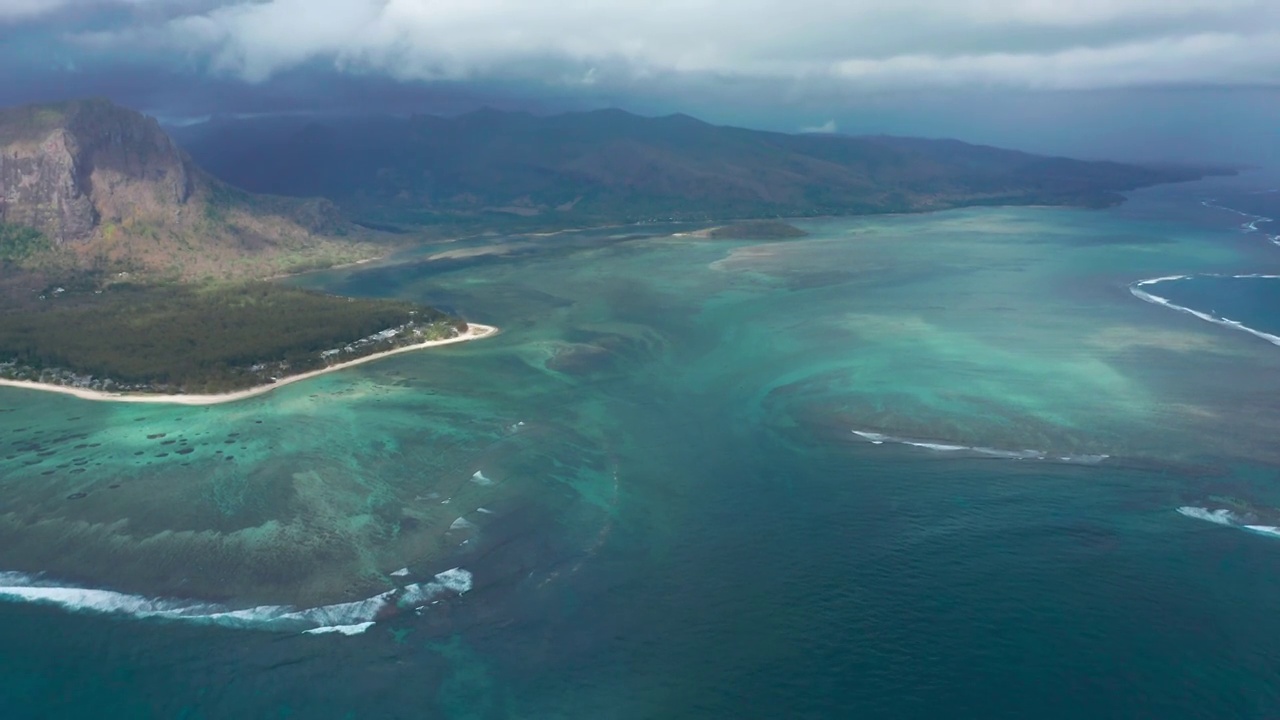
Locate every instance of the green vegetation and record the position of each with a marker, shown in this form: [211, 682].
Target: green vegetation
[31, 122]
[494, 169]
[18, 242]
[200, 339]
[757, 230]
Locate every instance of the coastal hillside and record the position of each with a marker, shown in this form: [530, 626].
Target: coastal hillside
[124, 267]
[88, 185]
[610, 165]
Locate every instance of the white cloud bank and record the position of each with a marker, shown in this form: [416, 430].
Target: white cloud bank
[22, 9]
[1058, 44]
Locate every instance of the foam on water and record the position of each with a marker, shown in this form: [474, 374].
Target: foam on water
[345, 618]
[1218, 517]
[461, 524]
[356, 629]
[457, 580]
[879, 439]
[936, 446]
[399, 573]
[1011, 454]
[1251, 225]
[1224, 517]
[418, 594]
[480, 479]
[1137, 290]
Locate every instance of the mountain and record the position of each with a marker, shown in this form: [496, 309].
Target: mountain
[90, 185]
[612, 165]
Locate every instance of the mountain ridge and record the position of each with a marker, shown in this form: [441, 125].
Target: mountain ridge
[610, 164]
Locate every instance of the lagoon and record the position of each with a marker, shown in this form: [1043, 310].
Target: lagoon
[904, 466]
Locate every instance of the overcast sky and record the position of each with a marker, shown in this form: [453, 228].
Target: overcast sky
[1088, 76]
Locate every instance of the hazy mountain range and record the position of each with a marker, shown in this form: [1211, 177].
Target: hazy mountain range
[107, 189]
[610, 165]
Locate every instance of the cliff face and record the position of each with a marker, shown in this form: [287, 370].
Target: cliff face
[112, 192]
[67, 169]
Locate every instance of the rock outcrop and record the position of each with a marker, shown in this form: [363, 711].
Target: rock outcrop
[67, 169]
[111, 192]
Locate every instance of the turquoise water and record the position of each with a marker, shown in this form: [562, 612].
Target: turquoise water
[910, 466]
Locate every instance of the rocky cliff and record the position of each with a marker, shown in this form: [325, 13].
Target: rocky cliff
[67, 169]
[109, 189]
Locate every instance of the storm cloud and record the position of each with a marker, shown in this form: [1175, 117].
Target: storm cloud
[859, 43]
[858, 65]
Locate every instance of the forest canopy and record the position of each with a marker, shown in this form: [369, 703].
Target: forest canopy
[201, 339]
[18, 242]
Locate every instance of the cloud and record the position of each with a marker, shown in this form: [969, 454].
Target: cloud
[11, 10]
[825, 128]
[1209, 58]
[855, 44]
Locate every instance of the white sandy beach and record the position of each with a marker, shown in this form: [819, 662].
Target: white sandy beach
[475, 331]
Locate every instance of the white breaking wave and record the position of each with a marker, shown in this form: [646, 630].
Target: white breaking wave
[1012, 454]
[461, 524]
[880, 439]
[873, 438]
[1252, 225]
[399, 573]
[484, 511]
[341, 629]
[1227, 518]
[345, 618]
[1138, 292]
[479, 479]
[1218, 517]
[936, 446]
[455, 580]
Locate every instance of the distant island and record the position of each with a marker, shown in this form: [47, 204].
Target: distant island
[129, 271]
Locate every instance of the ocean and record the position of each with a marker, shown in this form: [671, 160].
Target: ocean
[916, 466]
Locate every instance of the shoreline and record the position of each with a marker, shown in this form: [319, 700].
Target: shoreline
[353, 263]
[475, 331]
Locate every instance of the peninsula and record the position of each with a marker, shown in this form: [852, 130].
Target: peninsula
[474, 331]
[127, 273]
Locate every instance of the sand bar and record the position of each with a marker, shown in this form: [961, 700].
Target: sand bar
[475, 331]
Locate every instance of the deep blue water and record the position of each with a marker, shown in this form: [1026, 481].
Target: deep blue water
[682, 522]
[1251, 301]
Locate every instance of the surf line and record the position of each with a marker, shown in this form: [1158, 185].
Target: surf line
[1138, 291]
[978, 451]
[1222, 516]
[1251, 225]
[350, 618]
